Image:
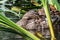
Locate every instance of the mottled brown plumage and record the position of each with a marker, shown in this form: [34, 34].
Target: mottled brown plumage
[37, 22]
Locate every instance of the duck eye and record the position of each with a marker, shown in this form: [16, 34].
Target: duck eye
[29, 18]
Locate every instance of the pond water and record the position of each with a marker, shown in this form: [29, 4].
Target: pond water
[9, 36]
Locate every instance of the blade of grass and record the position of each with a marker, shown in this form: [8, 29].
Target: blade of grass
[12, 31]
[47, 12]
[8, 30]
[1, 22]
[17, 28]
